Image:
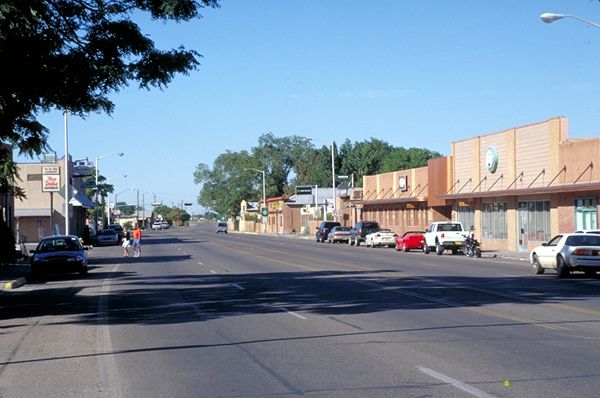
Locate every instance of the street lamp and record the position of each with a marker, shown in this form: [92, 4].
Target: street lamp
[332, 181]
[549, 17]
[108, 196]
[96, 167]
[264, 192]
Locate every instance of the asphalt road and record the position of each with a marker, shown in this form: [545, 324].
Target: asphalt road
[207, 315]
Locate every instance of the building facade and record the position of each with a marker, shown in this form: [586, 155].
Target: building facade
[42, 213]
[516, 187]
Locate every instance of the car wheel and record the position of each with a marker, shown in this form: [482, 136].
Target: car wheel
[537, 267]
[398, 248]
[404, 248]
[350, 242]
[356, 242]
[439, 249]
[562, 271]
[83, 271]
[426, 249]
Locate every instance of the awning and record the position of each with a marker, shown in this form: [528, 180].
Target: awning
[82, 201]
[555, 189]
[43, 212]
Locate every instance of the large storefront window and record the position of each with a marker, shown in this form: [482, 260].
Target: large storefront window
[586, 213]
[465, 214]
[535, 220]
[493, 221]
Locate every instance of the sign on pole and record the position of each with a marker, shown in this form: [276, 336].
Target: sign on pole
[306, 190]
[265, 211]
[50, 178]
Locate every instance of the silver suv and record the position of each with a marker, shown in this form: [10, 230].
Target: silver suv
[222, 227]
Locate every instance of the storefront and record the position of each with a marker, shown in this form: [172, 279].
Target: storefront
[516, 187]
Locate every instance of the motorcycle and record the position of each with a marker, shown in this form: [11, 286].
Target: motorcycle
[471, 247]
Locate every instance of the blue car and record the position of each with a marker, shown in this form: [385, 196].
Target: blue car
[59, 254]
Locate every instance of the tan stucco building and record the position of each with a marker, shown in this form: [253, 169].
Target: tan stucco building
[517, 187]
[43, 212]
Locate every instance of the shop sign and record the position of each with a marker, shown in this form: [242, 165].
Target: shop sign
[50, 183]
[491, 159]
[403, 183]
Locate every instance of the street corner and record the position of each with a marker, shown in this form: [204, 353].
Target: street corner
[13, 284]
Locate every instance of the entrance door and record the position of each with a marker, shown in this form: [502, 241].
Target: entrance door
[522, 233]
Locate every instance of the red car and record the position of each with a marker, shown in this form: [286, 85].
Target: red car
[410, 240]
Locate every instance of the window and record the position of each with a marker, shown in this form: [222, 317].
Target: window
[586, 213]
[465, 214]
[493, 221]
[537, 225]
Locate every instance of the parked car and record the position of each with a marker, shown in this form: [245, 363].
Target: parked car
[588, 231]
[107, 237]
[410, 240]
[338, 234]
[444, 235]
[222, 227]
[566, 253]
[381, 237]
[62, 253]
[360, 231]
[324, 228]
[118, 229]
[157, 225]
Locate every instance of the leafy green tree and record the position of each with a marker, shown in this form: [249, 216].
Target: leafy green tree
[364, 158]
[401, 158]
[227, 183]
[126, 209]
[71, 55]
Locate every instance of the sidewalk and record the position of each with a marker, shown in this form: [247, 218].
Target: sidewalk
[14, 275]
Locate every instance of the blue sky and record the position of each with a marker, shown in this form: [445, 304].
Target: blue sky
[418, 73]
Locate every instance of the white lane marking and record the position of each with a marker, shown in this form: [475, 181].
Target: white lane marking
[458, 384]
[238, 286]
[107, 364]
[199, 263]
[292, 313]
[509, 275]
[212, 271]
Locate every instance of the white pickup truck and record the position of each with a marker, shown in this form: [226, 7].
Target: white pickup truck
[444, 235]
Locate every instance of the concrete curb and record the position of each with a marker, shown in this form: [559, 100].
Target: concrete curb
[14, 284]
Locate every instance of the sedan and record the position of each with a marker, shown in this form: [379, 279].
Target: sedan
[63, 253]
[381, 237]
[566, 253]
[108, 237]
[410, 240]
[339, 234]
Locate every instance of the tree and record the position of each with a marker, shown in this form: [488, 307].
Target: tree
[227, 183]
[71, 55]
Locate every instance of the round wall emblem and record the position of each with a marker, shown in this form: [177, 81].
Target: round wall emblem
[402, 183]
[491, 159]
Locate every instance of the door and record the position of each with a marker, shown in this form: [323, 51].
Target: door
[586, 214]
[522, 233]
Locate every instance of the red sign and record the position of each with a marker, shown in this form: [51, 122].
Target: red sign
[50, 183]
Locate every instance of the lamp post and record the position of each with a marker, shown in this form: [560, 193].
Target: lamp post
[96, 167]
[108, 203]
[66, 177]
[264, 193]
[332, 180]
[549, 17]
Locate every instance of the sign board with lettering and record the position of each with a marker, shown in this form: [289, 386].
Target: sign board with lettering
[54, 170]
[50, 183]
[304, 190]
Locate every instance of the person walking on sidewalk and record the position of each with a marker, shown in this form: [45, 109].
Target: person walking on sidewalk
[126, 242]
[137, 241]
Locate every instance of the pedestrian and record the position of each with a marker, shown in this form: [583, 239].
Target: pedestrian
[126, 242]
[137, 241]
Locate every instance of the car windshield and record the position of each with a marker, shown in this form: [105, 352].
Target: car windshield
[58, 244]
[449, 227]
[222, 224]
[107, 232]
[583, 240]
[342, 229]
